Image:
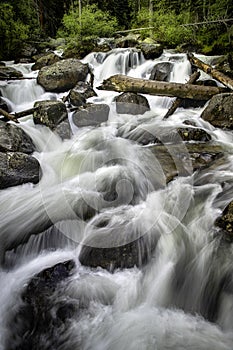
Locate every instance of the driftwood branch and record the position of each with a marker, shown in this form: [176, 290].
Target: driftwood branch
[123, 83]
[222, 78]
[8, 116]
[14, 117]
[178, 101]
[17, 78]
[132, 30]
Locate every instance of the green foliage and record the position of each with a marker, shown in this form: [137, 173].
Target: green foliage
[93, 23]
[12, 31]
[168, 27]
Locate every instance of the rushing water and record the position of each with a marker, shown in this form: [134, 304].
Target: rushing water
[174, 302]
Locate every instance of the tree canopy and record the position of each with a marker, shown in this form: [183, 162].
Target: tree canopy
[34, 20]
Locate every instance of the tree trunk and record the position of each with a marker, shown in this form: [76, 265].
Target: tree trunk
[222, 78]
[123, 83]
[178, 101]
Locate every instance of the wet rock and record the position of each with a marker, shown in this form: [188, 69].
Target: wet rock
[185, 158]
[225, 221]
[161, 71]
[191, 103]
[131, 103]
[64, 130]
[80, 93]
[18, 168]
[4, 106]
[63, 75]
[166, 135]
[46, 60]
[193, 134]
[41, 314]
[151, 51]
[50, 113]
[128, 41]
[9, 72]
[14, 139]
[219, 111]
[128, 255]
[91, 115]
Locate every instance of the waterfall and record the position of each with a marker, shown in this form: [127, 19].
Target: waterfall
[104, 174]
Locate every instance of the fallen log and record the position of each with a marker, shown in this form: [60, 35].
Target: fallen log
[123, 83]
[214, 73]
[178, 101]
[8, 116]
[14, 117]
[17, 78]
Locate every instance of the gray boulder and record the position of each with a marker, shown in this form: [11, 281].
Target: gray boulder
[50, 113]
[18, 168]
[131, 103]
[151, 51]
[9, 72]
[63, 130]
[46, 60]
[161, 71]
[95, 253]
[80, 93]
[63, 75]
[219, 111]
[225, 221]
[91, 115]
[14, 139]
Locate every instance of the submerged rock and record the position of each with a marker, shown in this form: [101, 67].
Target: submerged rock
[18, 168]
[131, 103]
[91, 115]
[46, 60]
[14, 139]
[183, 159]
[63, 75]
[219, 111]
[135, 253]
[225, 221]
[41, 313]
[50, 113]
[9, 72]
[161, 71]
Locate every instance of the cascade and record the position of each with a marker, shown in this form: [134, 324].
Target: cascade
[169, 303]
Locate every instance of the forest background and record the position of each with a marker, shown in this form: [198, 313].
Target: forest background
[207, 25]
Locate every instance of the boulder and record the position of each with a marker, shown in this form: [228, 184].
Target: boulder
[219, 111]
[183, 159]
[50, 113]
[64, 130]
[135, 253]
[131, 103]
[225, 221]
[145, 137]
[14, 139]
[91, 115]
[161, 71]
[151, 51]
[18, 168]
[63, 75]
[9, 72]
[80, 93]
[41, 312]
[46, 60]
[128, 41]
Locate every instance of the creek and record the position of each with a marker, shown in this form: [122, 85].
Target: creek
[176, 301]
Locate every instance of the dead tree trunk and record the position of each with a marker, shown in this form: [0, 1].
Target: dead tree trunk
[123, 83]
[222, 78]
[178, 101]
[14, 117]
